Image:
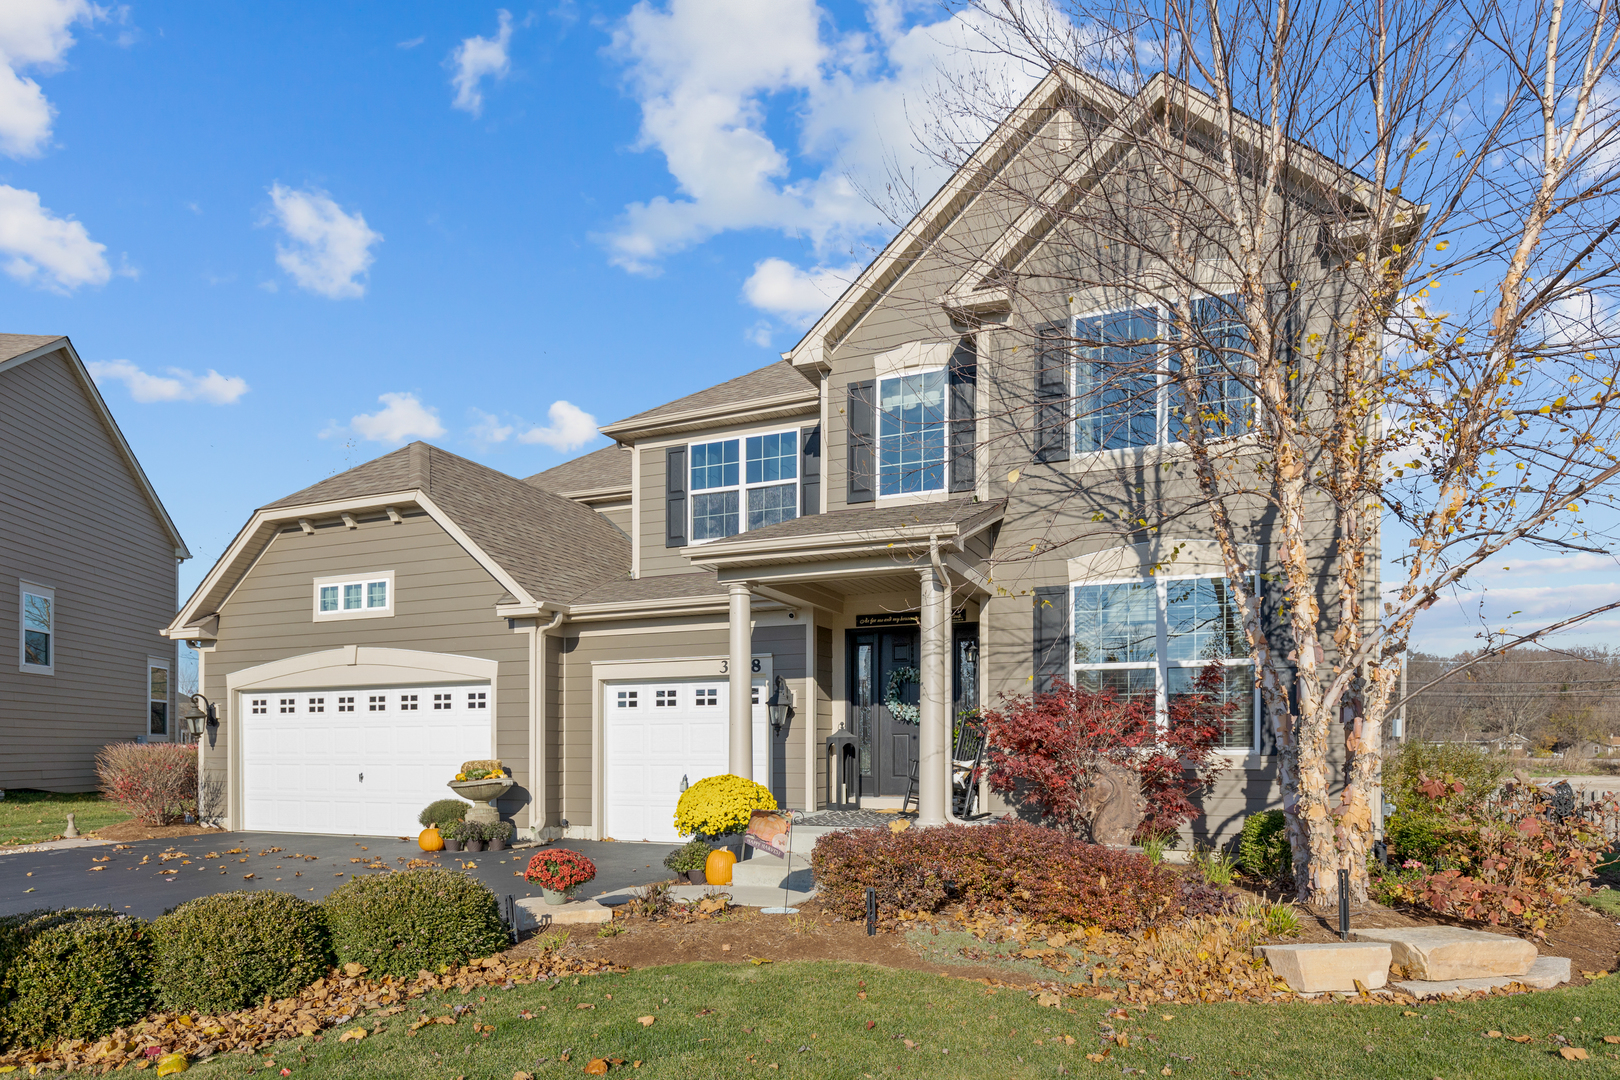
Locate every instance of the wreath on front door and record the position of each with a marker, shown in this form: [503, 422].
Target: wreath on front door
[898, 678]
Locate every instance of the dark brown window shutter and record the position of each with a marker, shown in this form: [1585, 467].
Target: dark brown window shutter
[964, 385]
[809, 471]
[1052, 359]
[862, 417]
[675, 497]
[1051, 636]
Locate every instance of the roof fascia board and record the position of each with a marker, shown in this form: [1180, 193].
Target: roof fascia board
[181, 551]
[917, 232]
[602, 494]
[824, 543]
[733, 412]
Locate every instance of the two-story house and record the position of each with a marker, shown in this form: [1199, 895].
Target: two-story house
[899, 512]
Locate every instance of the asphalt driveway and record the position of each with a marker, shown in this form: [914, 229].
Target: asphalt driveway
[148, 877]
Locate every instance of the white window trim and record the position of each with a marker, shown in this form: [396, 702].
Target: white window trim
[24, 588]
[168, 681]
[1161, 664]
[385, 612]
[944, 489]
[742, 486]
[1162, 443]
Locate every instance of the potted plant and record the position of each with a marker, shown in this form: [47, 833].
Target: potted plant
[473, 834]
[717, 809]
[451, 835]
[687, 861]
[498, 835]
[558, 872]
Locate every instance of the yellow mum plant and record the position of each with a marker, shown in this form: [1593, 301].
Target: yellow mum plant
[719, 805]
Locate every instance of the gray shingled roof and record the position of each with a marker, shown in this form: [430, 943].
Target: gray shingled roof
[13, 345]
[552, 546]
[608, 467]
[665, 587]
[966, 514]
[773, 380]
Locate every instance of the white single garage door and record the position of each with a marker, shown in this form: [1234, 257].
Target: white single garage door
[356, 762]
[659, 734]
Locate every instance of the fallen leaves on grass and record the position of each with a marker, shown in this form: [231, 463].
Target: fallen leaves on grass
[646, 1021]
[1572, 1053]
[353, 1035]
[597, 1067]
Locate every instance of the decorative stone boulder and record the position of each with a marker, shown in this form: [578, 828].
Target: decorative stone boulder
[1447, 953]
[1312, 969]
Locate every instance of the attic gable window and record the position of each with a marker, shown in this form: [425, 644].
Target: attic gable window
[364, 596]
[743, 484]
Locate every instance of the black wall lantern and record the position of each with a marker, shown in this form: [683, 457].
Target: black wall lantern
[780, 704]
[206, 711]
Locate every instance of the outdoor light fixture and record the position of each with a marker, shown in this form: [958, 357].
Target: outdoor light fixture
[207, 712]
[781, 701]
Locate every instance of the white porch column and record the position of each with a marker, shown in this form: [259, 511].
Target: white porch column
[741, 758]
[934, 700]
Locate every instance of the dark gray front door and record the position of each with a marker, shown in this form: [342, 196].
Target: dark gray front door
[888, 745]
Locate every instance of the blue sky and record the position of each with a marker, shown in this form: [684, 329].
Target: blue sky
[289, 237]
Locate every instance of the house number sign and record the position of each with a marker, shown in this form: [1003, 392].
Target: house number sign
[725, 666]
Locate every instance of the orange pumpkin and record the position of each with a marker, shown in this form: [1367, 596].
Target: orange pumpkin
[717, 867]
[430, 840]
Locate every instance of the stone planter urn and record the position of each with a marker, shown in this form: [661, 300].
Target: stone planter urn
[557, 896]
[485, 792]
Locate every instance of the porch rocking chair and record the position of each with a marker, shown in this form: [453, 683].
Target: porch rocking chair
[965, 763]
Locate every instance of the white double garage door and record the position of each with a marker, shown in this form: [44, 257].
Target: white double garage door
[361, 762]
[661, 737]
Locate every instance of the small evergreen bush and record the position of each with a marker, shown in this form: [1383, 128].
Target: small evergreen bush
[399, 924]
[1263, 848]
[443, 813]
[228, 951]
[75, 974]
[688, 857]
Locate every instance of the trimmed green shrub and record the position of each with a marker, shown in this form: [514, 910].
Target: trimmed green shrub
[1427, 837]
[78, 974]
[228, 951]
[1263, 848]
[688, 857]
[1407, 769]
[399, 924]
[443, 813]
[1040, 873]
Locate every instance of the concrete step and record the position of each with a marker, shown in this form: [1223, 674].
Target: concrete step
[772, 872]
[744, 895]
[1311, 969]
[1546, 973]
[1447, 953]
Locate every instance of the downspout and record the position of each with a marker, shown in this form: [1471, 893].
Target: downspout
[537, 720]
[950, 678]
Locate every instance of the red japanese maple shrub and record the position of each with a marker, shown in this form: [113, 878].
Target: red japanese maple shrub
[1043, 748]
[157, 782]
[559, 869]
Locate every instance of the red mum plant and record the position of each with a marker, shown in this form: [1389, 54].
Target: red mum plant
[559, 869]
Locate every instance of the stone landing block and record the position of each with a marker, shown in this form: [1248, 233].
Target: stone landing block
[1311, 969]
[534, 913]
[1546, 973]
[1446, 953]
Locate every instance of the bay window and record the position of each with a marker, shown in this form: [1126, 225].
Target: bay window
[1150, 640]
[743, 484]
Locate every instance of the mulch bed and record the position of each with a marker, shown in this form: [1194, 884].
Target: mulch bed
[126, 831]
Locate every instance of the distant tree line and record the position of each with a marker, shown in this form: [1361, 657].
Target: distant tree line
[1565, 700]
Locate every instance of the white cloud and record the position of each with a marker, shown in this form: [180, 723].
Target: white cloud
[705, 99]
[33, 34]
[329, 249]
[411, 44]
[571, 427]
[476, 59]
[401, 419]
[40, 248]
[489, 429]
[798, 296]
[178, 385]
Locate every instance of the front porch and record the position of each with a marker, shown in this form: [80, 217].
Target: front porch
[866, 578]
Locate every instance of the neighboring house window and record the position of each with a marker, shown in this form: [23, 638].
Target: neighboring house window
[1126, 396]
[739, 485]
[157, 697]
[366, 596]
[1150, 640]
[911, 433]
[36, 641]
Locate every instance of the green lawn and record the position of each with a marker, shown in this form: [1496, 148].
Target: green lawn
[27, 817]
[808, 1020]
[1606, 901]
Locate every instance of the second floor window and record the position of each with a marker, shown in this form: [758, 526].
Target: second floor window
[743, 484]
[911, 433]
[362, 596]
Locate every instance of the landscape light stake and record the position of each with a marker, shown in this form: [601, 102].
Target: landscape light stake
[871, 911]
[1344, 905]
[511, 917]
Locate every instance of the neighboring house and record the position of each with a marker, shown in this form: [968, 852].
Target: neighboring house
[863, 521]
[89, 565]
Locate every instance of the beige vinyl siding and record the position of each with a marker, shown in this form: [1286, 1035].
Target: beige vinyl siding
[444, 602]
[618, 513]
[78, 521]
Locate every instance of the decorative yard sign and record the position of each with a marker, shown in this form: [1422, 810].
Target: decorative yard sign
[768, 831]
